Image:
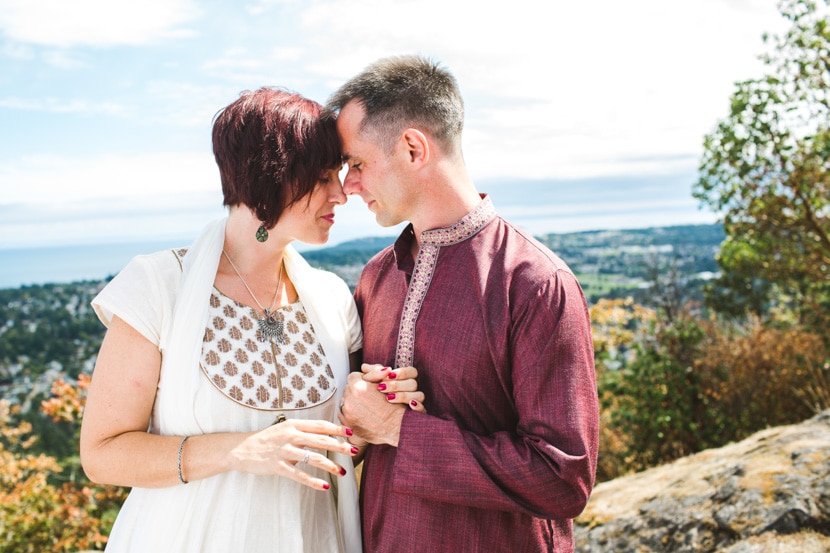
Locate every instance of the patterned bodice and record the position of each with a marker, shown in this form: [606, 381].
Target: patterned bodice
[263, 374]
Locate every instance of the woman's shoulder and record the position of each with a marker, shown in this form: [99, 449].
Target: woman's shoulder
[162, 261]
[163, 267]
[299, 267]
[329, 281]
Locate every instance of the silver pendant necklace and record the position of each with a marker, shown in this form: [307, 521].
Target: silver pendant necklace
[270, 327]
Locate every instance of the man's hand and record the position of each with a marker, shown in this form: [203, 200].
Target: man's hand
[369, 414]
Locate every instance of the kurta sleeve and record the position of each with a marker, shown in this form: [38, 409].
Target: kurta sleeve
[545, 465]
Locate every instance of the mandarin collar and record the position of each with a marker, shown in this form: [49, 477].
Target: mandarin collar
[463, 229]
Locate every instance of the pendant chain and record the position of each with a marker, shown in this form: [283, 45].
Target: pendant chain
[270, 326]
[279, 280]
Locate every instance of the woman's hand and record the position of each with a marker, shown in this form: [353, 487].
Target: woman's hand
[398, 385]
[283, 448]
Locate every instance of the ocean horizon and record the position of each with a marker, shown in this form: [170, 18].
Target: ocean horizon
[72, 263]
[540, 208]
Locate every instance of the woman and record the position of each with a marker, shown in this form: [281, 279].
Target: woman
[216, 387]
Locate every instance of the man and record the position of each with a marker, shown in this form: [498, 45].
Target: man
[495, 324]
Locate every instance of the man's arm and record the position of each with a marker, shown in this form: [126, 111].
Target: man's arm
[546, 465]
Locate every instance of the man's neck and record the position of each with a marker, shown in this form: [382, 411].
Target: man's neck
[443, 214]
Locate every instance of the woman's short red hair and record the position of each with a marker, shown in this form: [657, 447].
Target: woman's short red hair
[272, 146]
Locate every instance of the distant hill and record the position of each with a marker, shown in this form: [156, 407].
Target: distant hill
[349, 253]
[608, 263]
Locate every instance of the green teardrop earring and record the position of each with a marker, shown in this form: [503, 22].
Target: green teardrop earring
[261, 233]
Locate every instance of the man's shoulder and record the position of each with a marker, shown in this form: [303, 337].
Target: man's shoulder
[524, 250]
[380, 259]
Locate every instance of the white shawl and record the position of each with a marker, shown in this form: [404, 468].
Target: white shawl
[331, 310]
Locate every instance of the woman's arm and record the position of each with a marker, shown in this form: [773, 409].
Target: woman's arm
[116, 447]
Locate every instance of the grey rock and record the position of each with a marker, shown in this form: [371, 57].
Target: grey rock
[769, 493]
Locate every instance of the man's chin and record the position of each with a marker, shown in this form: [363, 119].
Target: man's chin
[385, 221]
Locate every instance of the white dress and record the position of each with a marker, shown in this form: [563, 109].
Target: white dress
[242, 385]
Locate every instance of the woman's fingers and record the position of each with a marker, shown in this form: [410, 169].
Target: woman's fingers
[289, 448]
[399, 385]
[392, 386]
[374, 373]
[311, 458]
[404, 373]
[416, 405]
[414, 400]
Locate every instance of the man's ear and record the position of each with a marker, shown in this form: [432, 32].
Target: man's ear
[417, 146]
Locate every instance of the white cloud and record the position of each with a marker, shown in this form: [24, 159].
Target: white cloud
[64, 23]
[107, 176]
[589, 89]
[575, 91]
[62, 105]
[260, 7]
[62, 59]
[17, 52]
[109, 219]
[235, 58]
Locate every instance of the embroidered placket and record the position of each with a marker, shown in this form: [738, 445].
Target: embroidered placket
[431, 243]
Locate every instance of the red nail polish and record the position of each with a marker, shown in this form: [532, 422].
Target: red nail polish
[355, 451]
[381, 386]
[349, 432]
[393, 376]
[413, 403]
[390, 396]
[326, 486]
[342, 471]
[386, 369]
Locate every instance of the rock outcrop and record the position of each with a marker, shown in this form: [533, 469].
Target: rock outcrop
[769, 493]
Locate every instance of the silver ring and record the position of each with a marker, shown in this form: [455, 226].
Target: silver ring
[305, 458]
[342, 402]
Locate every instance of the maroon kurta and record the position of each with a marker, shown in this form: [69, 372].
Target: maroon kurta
[498, 329]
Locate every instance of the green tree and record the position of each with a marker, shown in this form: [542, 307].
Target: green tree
[766, 170]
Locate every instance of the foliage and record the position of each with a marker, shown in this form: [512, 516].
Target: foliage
[48, 326]
[766, 169]
[772, 370]
[693, 383]
[67, 401]
[616, 325]
[37, 512]
[659, 401]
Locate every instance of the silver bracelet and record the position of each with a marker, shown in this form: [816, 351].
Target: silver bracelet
[181, 447]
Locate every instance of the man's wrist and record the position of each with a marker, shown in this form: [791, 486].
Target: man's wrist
[357, 442]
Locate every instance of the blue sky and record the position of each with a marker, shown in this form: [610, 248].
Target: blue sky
[106, 105]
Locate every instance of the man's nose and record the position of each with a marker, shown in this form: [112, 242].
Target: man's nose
[350, 184]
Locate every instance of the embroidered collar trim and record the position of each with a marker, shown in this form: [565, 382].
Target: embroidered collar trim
[466, 227]
[431, 243]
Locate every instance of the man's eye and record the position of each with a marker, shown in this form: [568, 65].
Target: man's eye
[356, 166]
